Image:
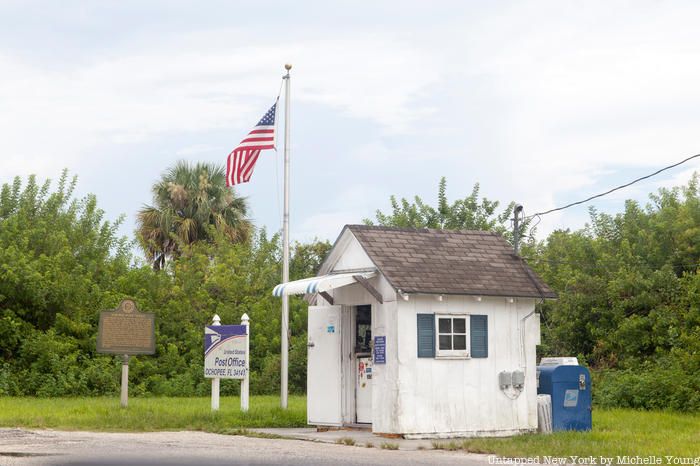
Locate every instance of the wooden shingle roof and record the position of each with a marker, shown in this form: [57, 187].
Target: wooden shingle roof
[449, 262]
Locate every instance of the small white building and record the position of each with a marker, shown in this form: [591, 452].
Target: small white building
[422, 333]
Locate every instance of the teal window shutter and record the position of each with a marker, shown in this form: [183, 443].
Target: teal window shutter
[426, 335]
[479, 328]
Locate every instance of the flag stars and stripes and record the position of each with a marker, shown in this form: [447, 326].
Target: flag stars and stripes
[269, 118]
[241, 161]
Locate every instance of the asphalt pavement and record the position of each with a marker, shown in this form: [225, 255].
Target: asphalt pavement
[20, 447]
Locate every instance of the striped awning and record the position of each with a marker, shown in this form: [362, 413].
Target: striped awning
[319, 284]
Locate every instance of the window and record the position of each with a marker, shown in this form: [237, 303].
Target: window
[451, 336]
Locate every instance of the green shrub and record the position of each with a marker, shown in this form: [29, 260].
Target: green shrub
[650, 387]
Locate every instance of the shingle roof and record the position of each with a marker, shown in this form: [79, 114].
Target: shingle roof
[449, 262]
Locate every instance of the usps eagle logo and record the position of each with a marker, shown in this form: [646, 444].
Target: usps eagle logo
[211, 336]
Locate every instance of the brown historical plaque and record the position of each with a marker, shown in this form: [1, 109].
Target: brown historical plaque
[126, 330]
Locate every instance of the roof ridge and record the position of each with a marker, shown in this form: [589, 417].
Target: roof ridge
[360, 226]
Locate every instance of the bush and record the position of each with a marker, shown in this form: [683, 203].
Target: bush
[654, 387]
[8, 382]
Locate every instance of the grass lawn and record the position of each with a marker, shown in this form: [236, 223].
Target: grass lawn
[615, 432]
[149, 414]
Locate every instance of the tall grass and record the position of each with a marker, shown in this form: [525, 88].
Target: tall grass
[149, 414]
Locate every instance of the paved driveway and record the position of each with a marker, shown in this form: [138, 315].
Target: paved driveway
[48, 447]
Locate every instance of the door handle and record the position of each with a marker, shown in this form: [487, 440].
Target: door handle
[310, 344]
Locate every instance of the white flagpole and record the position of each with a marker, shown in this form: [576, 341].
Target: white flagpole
[285, 247]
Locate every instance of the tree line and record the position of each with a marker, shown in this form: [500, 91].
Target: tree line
[628, 307]
[61, 263]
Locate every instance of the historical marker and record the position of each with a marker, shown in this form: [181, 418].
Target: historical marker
[126, 331]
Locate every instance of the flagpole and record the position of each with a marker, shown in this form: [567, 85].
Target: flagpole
[285, 247]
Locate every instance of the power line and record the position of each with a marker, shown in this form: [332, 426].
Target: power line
[608, 265]
[613, 189]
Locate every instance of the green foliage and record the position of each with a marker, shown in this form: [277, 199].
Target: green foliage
[389, 446]
[56, 253]
[629, 301]
[469, 213]
[349, 441]
[59, 259]
[188, 201]
[61, 264]
[662, 385]
[230, 279]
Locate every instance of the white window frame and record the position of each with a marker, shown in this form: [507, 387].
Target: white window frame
[452, 354]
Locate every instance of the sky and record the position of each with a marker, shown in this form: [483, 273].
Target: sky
[543, 103]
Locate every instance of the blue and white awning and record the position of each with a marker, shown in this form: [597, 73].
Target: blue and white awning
[319, 284]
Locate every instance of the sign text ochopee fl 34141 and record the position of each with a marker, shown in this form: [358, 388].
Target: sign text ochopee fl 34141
[225, 351]
[227, 356]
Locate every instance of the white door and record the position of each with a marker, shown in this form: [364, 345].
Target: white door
[323, 375]
[363, 390]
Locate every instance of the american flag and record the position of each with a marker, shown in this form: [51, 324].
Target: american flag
[241, 161]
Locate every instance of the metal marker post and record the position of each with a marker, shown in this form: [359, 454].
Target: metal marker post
[125, 381]
[215, 381]
[245, 383]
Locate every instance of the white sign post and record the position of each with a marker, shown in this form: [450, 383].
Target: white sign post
[226, 356]
[245, 383]
[216, 321]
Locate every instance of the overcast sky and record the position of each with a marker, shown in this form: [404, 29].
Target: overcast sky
[540, 102]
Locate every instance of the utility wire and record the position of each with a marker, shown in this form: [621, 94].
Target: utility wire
[613, 189]
[603, 265]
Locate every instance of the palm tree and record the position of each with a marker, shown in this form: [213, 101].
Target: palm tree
[189, 199]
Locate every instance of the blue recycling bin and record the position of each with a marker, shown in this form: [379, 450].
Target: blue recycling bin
[570, 389]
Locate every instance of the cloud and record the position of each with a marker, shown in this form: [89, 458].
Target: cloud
[543, 104]
[185, 86]
[347, 205]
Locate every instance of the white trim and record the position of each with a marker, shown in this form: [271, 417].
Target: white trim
[452, 354]
[339, 249]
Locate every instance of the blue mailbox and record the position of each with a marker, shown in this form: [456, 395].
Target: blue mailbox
[570, 389]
